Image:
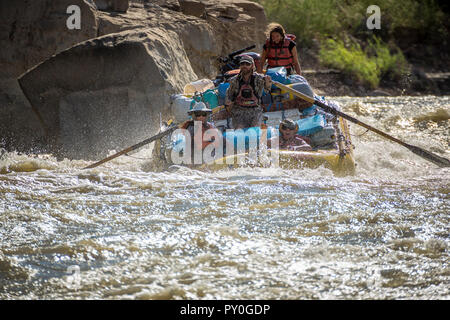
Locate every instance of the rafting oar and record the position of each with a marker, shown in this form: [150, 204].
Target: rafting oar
[172, 128]
[427, 155]
[134, 147]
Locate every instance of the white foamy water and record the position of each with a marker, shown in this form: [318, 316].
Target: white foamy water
[121, 231]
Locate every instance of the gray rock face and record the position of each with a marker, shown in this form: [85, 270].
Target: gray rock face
[107, 93]
[30, 32]
[112, 5]
[84, 92]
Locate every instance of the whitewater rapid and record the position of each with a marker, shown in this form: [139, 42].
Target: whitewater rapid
[123, 231]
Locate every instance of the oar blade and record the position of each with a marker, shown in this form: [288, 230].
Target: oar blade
[438, 160]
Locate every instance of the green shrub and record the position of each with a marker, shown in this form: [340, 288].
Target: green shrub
[352, 61]
[366, 66]
[322, 19]
[308, 20]
[392, 66]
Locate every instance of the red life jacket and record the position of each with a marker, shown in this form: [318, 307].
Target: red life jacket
[279, 55]
[246, 96]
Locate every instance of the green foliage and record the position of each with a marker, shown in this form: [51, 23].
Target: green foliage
[322, 19]
[308, 20]
[366, 66]
[351, 60]
[392, 66]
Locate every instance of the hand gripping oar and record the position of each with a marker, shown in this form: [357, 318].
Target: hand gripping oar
[134, 147]
[427, 155]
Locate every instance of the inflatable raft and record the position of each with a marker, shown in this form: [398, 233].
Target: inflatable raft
[332, 149]
[329, 135]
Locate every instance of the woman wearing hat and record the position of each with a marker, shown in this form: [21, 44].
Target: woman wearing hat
[243, 97]
[288, 138]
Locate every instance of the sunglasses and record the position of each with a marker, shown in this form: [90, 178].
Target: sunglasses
[288, 127]
[200, 114]
[245, 64]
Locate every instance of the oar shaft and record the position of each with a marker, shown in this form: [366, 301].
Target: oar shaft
[142, 143]
[362, 124]
[134, 147]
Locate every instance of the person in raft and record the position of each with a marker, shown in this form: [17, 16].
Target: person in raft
[280, 51]
[199, 113]
[243, 97]
[289, 139]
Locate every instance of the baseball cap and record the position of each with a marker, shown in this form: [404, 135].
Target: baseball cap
[246, 58]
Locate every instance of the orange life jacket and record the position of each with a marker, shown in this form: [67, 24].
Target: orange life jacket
[279, 55]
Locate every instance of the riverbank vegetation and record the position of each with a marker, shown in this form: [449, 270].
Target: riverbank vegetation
[338, 30]
[367, 66]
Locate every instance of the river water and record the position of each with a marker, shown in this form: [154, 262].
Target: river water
[121, 231]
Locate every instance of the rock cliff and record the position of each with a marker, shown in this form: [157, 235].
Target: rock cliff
[83, 92]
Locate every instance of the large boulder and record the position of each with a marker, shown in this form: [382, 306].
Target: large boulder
[207, 28]
[196, 34]
[107, 93]
[30, 32]
[33, 31]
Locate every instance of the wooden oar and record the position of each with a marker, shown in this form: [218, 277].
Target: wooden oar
[134, 147]
[142, 143]
[427, 155]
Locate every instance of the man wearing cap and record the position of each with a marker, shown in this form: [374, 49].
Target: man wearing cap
[243, 97]
[289, 139]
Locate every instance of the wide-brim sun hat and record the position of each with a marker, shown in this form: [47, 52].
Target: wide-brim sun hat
[199, 107]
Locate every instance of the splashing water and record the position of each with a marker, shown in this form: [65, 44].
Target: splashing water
[121, 231]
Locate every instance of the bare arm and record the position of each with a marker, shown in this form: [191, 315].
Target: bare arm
[267, 83]
[296, 63]
[263, 61]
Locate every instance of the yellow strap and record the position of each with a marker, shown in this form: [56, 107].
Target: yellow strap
[294, 92]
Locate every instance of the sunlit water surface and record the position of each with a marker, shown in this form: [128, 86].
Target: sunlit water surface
[121, 231]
